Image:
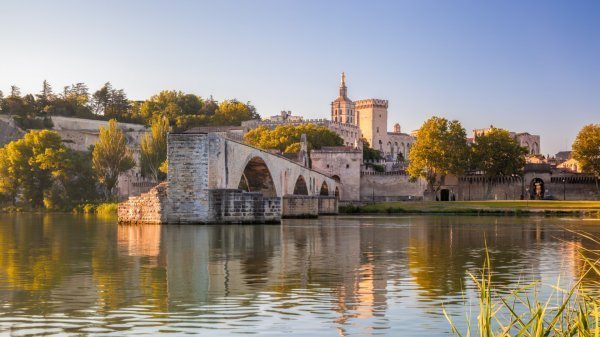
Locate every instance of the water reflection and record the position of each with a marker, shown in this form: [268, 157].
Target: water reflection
[352, 276]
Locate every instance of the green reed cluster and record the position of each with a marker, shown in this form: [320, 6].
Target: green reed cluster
[574, 311]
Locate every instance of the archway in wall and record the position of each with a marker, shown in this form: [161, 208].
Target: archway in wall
[300, 188]
[336, 178]
[324, 189]
[535, 148]
[536, 189]
[257, 178]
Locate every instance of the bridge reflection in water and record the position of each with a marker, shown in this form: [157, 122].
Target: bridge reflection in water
[309, 277]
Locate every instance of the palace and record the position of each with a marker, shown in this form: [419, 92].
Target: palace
[371, 117]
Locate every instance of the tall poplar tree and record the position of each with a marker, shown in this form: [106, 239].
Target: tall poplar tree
[153, 149]
[111, 157]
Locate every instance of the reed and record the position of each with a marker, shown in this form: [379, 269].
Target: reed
[574, 311]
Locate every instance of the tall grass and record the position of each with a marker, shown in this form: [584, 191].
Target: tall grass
[521, 313]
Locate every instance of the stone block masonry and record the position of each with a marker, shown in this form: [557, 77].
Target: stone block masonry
[299, 206]
[235, 206]
[187, 158]
[147, 208]
[328, 205]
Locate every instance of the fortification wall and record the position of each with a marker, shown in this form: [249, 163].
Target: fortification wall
[390, 187]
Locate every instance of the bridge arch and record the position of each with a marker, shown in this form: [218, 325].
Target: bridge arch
[256, 177]
[300, 188]
[324, 189]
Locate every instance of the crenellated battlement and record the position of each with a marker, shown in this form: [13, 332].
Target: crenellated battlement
[371, 103]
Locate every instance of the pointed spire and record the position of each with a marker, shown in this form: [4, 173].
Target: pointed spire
[343, 90]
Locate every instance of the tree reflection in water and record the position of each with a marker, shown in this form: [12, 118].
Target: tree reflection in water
[346, 274]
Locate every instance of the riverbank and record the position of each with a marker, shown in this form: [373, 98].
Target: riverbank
[106, 208]
[496, 207]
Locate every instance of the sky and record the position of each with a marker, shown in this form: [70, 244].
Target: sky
[520, 65]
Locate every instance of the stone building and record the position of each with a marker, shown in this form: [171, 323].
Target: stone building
[371, 117]
[343, 164]
[525, 139]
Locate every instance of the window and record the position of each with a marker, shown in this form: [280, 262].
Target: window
[377, 129]
[327, 165]
[347, 165]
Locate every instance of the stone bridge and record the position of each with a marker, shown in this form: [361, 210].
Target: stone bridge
[215, 179]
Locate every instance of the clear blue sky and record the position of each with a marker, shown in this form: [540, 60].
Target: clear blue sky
[522, 65]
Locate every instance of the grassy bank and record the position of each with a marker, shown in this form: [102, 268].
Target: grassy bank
[508, 207]
[107, 208]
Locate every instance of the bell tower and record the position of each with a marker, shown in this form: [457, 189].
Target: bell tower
[342, 108]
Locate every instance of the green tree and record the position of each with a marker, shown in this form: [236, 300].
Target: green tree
[369, 153]
[8, 178]
[497, 154]
[586, 149]
[111, 157]
[284, 137]
[30, 165]
[233, 112]
[153, 149]
[45, 97]
[110, 102]
[440, 149]
[171, 104]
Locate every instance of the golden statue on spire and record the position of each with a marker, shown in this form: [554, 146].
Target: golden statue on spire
[343, 78]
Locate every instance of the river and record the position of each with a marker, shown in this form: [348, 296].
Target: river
[63, 274]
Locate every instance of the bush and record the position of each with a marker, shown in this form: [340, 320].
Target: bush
[104, 208]
[107, 208]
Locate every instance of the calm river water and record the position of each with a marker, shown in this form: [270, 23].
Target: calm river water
[354, 276]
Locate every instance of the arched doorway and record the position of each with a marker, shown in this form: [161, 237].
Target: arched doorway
[536, 189]
[300, 188]
[324, 189]
[336, 178]
[257, 178]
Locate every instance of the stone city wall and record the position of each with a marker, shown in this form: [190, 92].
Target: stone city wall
[511, 188]
[390, 186]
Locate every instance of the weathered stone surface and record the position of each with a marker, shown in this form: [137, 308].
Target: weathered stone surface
[149, 207]
[299, 206]
[235, 206]
[328, 205]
